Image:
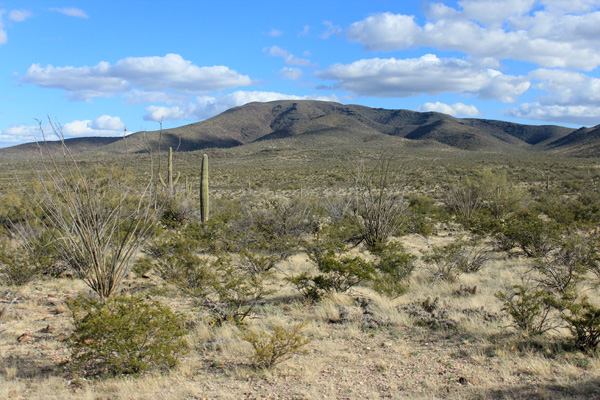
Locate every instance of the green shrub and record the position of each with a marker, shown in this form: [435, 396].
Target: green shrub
[446, 262]
[276, 346]
[561, 269]
[336, 274]
[394, 268]
[530, 308]
[125, 335]
[584, 323]
[533, 235]
[228, 291]
[16, 265]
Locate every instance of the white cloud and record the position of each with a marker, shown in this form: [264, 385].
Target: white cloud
[19, 15]
[511, 29]
[275, 33]
[209, 106]
[331, 30]
[169, 73]
[102, 126]
[305, 30]
[16, 134]
[290, 59]
[568, 96]
[71, 12]
[3, 37]
[137, 96]
[456, 109]
[567, 87]
[577, 115]
[291, 73]
[427, 74]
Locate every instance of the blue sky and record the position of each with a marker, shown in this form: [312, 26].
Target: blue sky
[100, 67]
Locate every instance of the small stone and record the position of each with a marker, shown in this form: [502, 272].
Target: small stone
[24, 338]
[48, 329]
[468, 380]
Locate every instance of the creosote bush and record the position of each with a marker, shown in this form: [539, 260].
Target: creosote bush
[584, 323]
[125, 335]
[530, 308]
[448, 262]
[337, 272]
[275, 346]
[394, 267]
[228, 290]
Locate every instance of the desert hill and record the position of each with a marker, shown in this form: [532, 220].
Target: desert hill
[309, 123]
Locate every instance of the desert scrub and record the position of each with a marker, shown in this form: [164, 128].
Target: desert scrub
[530, 308]
[528, 231]
[228, 290]
[562, 268]
[16, 266]
[337, 272]
[379, 202]
[583, 320]
[276, 345]
[125, 335]
[461, 256]
[394, 267]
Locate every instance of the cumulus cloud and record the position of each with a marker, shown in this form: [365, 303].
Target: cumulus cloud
[587, 115]
[102, 126]
[566, 87]
[209, 106]
[169, 73]
[456, 109]
[16, 134]
[428, 74]
[71, 12]
[511, 29]
[567, 96]
[19, 15]
[288, 58]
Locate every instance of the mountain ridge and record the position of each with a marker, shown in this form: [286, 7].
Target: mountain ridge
[349, 124]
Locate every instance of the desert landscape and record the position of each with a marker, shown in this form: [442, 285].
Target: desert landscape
[303, 250]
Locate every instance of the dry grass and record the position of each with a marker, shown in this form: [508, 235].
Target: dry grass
[400, 359]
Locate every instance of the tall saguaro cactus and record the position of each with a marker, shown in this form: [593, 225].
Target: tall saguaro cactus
[168, 185]
[204, 206]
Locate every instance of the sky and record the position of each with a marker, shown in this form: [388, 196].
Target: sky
[109, 68]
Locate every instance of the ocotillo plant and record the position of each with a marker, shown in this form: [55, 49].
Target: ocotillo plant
[204, 189]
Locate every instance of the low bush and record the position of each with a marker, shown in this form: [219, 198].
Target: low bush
[394, 268]
[534, 235]
[446, 262]
[125, 335]
[276, 346]
[336, 274]
[584, 322]
[530, 308]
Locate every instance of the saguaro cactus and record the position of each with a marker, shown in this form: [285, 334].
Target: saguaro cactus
[204, 206]
[168, 185]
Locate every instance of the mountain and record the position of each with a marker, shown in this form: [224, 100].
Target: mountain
[582, 142]
[309, 123]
